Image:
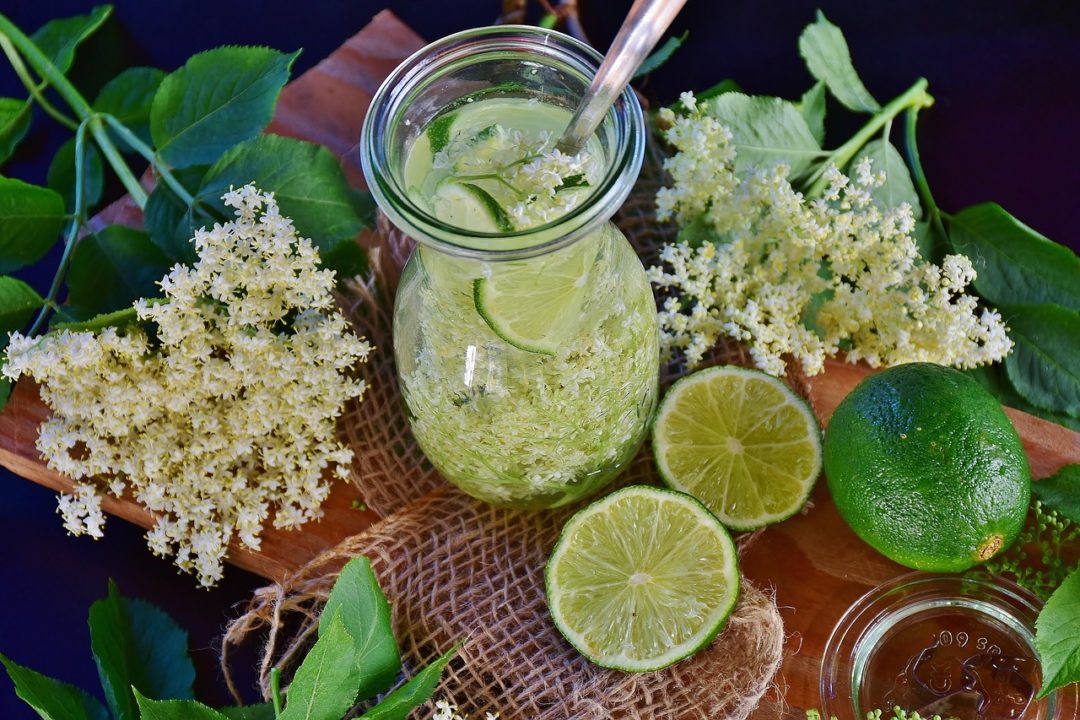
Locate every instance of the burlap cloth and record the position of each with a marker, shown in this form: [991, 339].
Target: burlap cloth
[455, 568]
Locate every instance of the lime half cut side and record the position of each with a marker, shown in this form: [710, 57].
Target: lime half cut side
[642, 579]
[537, 305]
[740, 441]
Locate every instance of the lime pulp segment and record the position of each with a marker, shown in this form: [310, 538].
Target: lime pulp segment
[642, 578]
[740, 441]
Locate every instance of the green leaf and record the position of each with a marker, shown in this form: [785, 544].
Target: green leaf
[306, 180]
[1057, 636]
[59, 38]
[324, 686]
[219, 98]
[14, 124]
[661, 55]
[260, 711]
[18, 303]
[119, 318]
[61, 176]
[1044, 365]
[1015, 264]
[1061, 492]
[828, 59]
[172, 223]
[128, 97]
[898, 187]
[932, 243]
[52, 699]
[31, 218]
[357, 598]
[137, 645]
[112, 269]
[698, 231]
[175, 709]
[812, 107]
[417, 691]
[766, 131]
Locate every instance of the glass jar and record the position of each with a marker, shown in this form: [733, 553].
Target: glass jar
[958, 646]
[528, 359]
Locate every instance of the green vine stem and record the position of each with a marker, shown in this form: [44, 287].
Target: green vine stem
[915, 96]
[933, 212]
[35, 90]
[116, 161]
[275, 690]
[143, 149]
[73, 229]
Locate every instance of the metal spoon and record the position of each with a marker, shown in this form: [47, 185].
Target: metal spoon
[644, 24]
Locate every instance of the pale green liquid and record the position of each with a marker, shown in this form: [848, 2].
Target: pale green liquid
[507, 425]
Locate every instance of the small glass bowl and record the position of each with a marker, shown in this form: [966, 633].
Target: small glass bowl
[953, 645]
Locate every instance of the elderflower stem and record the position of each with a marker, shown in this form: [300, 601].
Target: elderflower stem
[275, 690]
[143, 149]
[915, 96]
[917, 173]
[116, 161]
[44, 67]
[32, 87]
[73, 229]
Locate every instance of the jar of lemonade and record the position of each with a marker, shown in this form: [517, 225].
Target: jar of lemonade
[525, 331]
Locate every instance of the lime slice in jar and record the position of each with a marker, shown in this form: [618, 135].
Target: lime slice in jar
[642, 579]
[469, 207]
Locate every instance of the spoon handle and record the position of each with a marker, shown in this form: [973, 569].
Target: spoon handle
[644, 24]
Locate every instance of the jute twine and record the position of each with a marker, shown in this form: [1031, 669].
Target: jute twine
[455, 568]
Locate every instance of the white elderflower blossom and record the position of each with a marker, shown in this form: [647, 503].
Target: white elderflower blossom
[445, 710]
[223, 417]
[792, 276]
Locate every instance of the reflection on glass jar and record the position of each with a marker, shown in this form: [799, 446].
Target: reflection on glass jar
[524, 329]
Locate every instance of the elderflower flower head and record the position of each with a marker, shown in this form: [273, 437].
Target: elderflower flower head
[446, 710]
[791, 276]
[223, 417]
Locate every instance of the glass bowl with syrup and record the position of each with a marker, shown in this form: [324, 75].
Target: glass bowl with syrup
[957, 646]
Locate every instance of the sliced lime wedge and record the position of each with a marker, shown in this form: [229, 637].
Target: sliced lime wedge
[642, 579]
[469, 207]
[740, 441]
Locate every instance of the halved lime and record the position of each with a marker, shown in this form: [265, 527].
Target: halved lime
[469, 207]
[740, 441]
[537, 305]
[641, 579]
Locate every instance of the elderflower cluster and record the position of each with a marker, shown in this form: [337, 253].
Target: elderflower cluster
[792, 276]
[445, 710]
[223, 416]
[534, 181]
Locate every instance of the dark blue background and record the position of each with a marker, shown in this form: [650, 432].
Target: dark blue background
[1006, 76]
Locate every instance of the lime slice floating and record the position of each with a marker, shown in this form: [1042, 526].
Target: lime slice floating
[642, 579]
[469, 207]
[537, 305]
[740, 441]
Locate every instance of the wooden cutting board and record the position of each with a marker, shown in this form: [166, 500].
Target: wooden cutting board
[815, 563]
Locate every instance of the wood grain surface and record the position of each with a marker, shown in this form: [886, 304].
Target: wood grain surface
[817, 566]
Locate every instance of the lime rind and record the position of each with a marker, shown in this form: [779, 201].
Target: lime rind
[711, 624]
[804, 485]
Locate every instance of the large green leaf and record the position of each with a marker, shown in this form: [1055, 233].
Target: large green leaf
[1015, 264]
[136, 644]
[1057, 636]
[417, 691]
[52, 699]
[812, 107]
[128, 97]
[61, 176]
[112, 269]
[306, 180]
[661, 55]
[1044, 365]
[175, 709]
[828, 59]
[1061, 492]
[898, 187]
[31, 218]
[14, 124]
[172, 223]
[18, 303]
[357, 598]
[259, 711]
[219, 98]
[59, 38]
[766, 131]
[324, 686]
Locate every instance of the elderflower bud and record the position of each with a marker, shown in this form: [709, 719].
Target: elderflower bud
[227, 416]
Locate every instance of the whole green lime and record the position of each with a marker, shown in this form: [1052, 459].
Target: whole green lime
[925, 466]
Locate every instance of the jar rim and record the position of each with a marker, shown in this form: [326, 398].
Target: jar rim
[539, 45]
